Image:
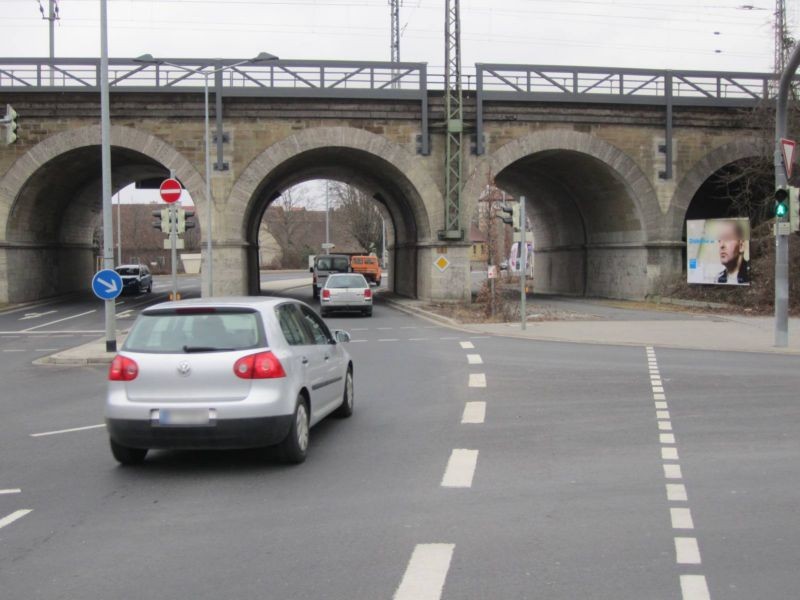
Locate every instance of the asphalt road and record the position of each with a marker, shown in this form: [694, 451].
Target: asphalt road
[555, 487]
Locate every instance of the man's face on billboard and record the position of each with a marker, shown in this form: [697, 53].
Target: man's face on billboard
[731, 246]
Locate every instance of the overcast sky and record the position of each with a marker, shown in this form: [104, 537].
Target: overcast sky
[678, 34]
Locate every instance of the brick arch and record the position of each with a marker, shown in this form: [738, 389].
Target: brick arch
[704, 168]
[25, 167]
[425, 200]
[619, 164]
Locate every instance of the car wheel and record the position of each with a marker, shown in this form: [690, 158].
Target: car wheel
[346, 408]
[316, 292]
[323, 313]
[368, 312]
[150, 288]
[294, 447]
[127, 456]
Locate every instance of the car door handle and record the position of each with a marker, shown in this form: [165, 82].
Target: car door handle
[304, 360]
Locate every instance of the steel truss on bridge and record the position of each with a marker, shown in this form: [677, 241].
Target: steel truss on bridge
[405, 81]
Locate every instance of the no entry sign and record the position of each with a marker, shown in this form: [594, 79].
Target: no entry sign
[170, 190]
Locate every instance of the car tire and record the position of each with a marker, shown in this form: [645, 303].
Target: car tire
[345, 410]
[368, 312]
[315, 293]
[323, 313]
[150, 288]
[127, 456]
[294, 447]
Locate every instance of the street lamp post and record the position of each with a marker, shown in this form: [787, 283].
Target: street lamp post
[262, 57]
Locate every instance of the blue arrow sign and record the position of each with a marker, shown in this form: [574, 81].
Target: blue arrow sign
[107, 284]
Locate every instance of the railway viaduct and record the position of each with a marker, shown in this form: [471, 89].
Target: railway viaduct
[608, 160]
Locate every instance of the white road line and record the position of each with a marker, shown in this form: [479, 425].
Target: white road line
[676, 492]
[35, 315]
[659, 397]
[658, 389]
[672, 472]
[67, 430]
[448, 338]
[666, 438]
[14, 350]
[88, 312]
[18, 514]
[460, 468]
[10, 491]
[681, 518]
[474, 412]
[426, 572]
[477, 380]
[418, 339]
[409, 327]
[661, 405]
[359, 329]
[665, 425]
[357, 341]
[669, 453]
[474, 359]
[686, 551]
[467, 345]
[694, 587]
[384, 328]
[45, 349]
[662, 414]
[388, 340]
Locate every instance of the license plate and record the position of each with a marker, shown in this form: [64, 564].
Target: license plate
[186, 416]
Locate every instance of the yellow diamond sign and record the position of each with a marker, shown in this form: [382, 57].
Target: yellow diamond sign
[441, 263]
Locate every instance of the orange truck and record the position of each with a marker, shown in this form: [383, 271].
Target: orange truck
[368, 266]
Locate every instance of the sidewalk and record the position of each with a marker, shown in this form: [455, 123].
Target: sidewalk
[715, 332]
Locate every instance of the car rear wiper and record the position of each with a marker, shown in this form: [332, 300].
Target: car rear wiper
[206, 349]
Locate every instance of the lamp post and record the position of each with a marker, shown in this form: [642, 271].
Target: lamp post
[262, 57]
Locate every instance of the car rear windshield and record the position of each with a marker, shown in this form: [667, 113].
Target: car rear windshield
[128, 270]
[200, 330]
[346, 281]
[333, 263]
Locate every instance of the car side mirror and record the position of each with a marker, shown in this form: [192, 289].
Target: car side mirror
[341, 336]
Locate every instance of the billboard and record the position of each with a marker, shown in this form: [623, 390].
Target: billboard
[718, 251]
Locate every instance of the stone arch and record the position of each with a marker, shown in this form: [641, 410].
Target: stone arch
[49, 203]
[593, 210]
[704, 168]
[389, 172]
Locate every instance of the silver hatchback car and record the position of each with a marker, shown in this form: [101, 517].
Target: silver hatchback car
[346, 292]
[226, 373]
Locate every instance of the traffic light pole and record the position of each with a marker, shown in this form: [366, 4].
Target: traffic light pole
[782, 237]
[173, 242]
[523, 265]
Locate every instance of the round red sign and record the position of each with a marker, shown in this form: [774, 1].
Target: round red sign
[170, 190]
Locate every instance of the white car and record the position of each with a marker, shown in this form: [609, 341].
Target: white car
[346, 292]
[226, 373]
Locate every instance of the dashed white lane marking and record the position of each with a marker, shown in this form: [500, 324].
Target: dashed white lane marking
[477, 380]
[418, 339]
[10, 491]
[460, 468]
[676, 492]
[659, 397]
[474, 412]
[667, 438]
[448, 338]
[681, 518]
[68, 430]
[669, 453]
[357, 341]
[662, 414]
[665, 425]
[686, 551]
[694, 587]
[658, 389]
[467, 345]
[426, 572]
[359, 329]
[661, 405]
[16, 515]
[474, 359]
[383, 328]
[388, 340]
[673, 472]
[14, 350]
[45, 349]
[83, 314]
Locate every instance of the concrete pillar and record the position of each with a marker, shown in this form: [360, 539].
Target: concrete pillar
[448, 284]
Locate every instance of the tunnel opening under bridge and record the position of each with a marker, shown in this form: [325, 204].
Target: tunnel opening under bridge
[587, 230]
[368, 175]
[53, 230]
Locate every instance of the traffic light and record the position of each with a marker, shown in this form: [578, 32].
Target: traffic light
[508, 211]
[163, 220]
[184, 220]
[781, 203]
[794, 208]
[10, 121]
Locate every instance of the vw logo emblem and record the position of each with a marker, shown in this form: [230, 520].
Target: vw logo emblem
[184, 368]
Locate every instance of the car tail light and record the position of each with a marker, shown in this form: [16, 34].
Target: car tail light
[123, 369]
[326, 294]
[264, 365]
[367, 293]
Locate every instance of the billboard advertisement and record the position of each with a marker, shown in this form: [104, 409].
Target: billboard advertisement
[718, 251]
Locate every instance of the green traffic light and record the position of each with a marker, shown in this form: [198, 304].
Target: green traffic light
[781, 210]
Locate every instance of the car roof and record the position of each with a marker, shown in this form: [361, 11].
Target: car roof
[128, 266]
[256, 302]
[340, 275]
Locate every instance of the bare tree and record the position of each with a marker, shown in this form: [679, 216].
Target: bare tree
[360, 214]
[287, 221]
